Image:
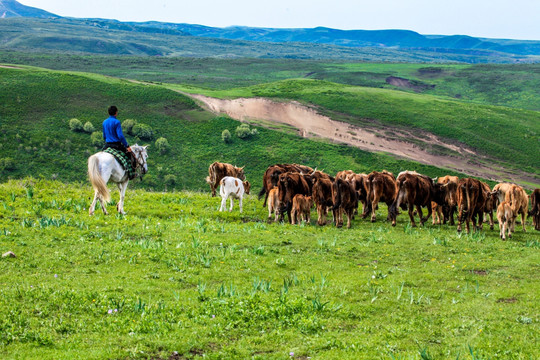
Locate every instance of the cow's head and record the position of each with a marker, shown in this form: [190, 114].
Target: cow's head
[247, 186]
[240, 173]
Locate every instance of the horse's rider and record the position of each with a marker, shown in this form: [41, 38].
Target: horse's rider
[113, 135]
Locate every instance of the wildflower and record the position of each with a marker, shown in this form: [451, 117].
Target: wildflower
[55, 275]
[110, 311]
[291, 354]
[115, 310]
[213, 316]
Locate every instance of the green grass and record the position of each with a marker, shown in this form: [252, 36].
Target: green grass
[184, 277]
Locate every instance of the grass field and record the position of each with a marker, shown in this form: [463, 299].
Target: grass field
[175, 275]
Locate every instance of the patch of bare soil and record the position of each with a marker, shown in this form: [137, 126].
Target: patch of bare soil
[311, 124]
[407, 84]
[9, 67]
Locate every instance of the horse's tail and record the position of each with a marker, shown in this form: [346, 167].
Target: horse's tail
[97, 181]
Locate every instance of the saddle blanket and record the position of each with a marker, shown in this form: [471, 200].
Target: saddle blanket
[124, 160]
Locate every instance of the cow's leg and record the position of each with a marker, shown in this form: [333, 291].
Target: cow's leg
[308, 216]
[240, 203]
[320, 211]
[451, 215]
[350, 215]
[503, 228]
[232, 203]
[93, 205]
[223, 203]
[270, 211]
[523, 221]
[213, 187]
[480, 220]
[265, 198]
[373, 207]
[293, 216]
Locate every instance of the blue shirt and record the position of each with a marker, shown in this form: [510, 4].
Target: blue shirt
[112, 131]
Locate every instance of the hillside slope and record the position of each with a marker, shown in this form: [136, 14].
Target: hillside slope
[36, 106]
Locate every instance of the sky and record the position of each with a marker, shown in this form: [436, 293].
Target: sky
[503, 19]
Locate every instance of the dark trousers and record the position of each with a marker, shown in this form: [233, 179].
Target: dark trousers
[115, 145]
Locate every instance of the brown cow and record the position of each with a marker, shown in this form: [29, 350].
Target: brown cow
[301, 207]
[345, 200]
[322, 195]
[380, 186]
[418, 190]
[358, 182]
[490, 205]
[471, 201]
[506, 218]
[218, 171]
[446, 211]
[501, 189]
[535, 209]
[273, 204]
[271, 176]
[289, 185]
[344, 174]
[519, 202]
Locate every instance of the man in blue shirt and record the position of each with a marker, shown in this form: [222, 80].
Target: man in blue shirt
[112, 132]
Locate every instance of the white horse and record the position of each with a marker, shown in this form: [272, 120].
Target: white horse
[103, 167]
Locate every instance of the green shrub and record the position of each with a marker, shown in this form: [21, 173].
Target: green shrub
[88, 127]
[127, 126]
[162, 145]
[75, 125]
[226, 136]
[243, 131]
[7, 164]
[96, 138]
[170, 180]
[143, 131]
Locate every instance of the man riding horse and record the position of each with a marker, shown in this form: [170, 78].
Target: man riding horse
[113, 135]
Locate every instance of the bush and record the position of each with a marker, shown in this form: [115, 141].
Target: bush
[169, 180]
[243, 131]
[143, 131]
[226, 136]
[127, 126]
[88, 127]
[7, 164]
[75, 125]
[96, 138]
[162, 145]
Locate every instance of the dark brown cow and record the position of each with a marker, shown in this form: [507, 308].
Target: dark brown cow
[345, 200]
[418, 190]
[358, 182]
[344, 174]
[322, 195]
[471, 201]
[490, 205]
[535, 209]
[446, 211]
[289, 185]
[218, 171]
[380, 186]
[271, 176]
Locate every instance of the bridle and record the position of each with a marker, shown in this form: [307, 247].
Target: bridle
[140, 164]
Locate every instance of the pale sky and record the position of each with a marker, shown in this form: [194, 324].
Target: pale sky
[505, 19]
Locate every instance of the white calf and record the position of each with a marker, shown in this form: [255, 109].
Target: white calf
[234, 188]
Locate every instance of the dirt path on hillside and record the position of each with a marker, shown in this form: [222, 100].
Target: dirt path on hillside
[311, 124]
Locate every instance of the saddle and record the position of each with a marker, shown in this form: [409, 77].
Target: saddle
[128, 161]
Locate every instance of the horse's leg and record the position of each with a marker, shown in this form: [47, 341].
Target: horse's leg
[122, 188]
[223, 203]
[103, 206]
[93, 205]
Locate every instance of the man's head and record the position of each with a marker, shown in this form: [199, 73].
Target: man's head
[113, 110]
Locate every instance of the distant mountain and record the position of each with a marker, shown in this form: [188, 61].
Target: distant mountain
[12, 8]
[28, 30]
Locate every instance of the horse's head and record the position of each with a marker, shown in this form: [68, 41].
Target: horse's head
[141, 155]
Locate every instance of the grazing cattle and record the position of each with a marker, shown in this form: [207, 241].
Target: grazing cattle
[446, 211]
[322, 195]
[273, 204]
[501, 189]
[490, 205]
[519, 202]
[344, 174]
[345, 200]
[380, 186]
[418, 190]
[218, 171]
[289, 185]
[471, 201]
[506, 218]
[535, 209]
[301, 207]
[358, 183]
[232, 187]
[271, 176]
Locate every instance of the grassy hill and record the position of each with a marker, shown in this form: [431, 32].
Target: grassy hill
[516, 85]
[37, 105]
[177, 279]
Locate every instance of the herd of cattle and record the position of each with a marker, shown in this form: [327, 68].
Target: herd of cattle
[293, 189]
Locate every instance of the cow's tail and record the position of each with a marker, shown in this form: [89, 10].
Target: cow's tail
[369, 197]
[262, 192]
[337, 204]
[96, 180]
[393, 211]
